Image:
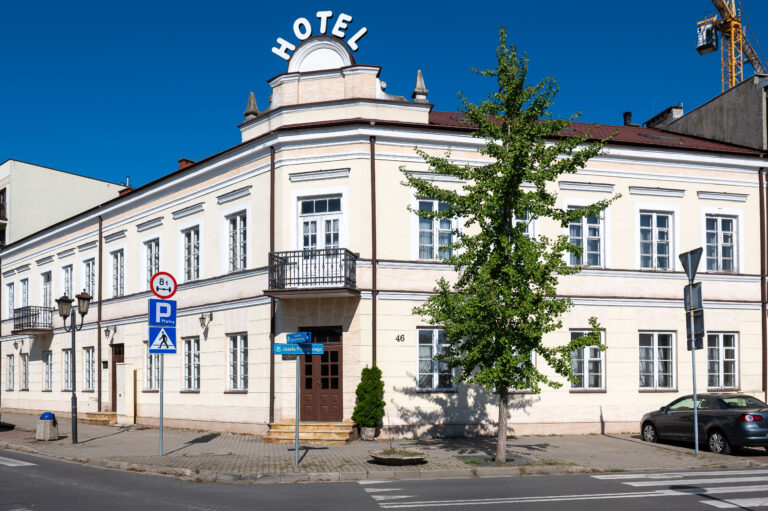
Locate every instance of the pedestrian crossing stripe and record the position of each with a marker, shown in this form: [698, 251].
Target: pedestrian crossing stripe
[10, 462]
[162, 340]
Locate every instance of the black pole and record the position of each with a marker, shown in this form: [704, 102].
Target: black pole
[73, 323]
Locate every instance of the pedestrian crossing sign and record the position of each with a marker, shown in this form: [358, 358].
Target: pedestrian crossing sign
[162, 339]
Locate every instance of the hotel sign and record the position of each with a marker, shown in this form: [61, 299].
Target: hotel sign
[302, 29]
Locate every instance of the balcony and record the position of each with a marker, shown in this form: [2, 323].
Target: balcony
[32, 320]
[312, 273]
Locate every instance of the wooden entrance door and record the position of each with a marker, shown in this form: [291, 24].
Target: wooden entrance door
[118, 356]
[321, 377]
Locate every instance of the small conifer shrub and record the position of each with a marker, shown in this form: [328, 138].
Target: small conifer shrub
[370, 403]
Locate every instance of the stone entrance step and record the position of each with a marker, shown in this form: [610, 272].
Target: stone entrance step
[101, 418]
[314, 433]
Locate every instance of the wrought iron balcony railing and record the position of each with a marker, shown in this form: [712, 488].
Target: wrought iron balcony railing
[311, 268]
[33, 318]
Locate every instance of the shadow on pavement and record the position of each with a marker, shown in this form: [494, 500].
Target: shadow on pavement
[202, 439]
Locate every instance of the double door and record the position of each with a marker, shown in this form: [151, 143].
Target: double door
[321, 378]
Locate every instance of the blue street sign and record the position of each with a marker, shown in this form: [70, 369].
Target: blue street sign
[299, 337]
[298, 349]
[162, 312]
[162, 339]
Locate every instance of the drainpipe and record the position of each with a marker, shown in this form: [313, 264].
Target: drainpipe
[98, 322]
[763, 292]
[374, 291]
[271, 299]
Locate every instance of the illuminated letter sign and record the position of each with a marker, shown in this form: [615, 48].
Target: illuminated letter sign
[302, 29]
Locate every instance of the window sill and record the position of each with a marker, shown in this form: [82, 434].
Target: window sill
[190, 391]
[66, 390]
[587, 391]
[87, 391]
[437, 391]
[150, 391]
[47, 390]
[722, 389]
[23, 390]
[653, 391]
[235, 391]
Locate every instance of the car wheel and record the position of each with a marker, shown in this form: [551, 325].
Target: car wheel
[649, 433]
[718, 443]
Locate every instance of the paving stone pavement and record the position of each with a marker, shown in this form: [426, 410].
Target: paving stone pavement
[235, 457]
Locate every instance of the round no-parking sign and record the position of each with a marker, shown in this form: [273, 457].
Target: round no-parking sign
[163, 285]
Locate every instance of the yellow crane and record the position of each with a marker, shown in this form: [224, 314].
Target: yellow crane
[734, 47]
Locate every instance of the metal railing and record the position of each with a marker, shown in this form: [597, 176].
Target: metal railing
[33, 318]
[325, 267]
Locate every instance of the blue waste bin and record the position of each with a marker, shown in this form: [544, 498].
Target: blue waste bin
[47, 427]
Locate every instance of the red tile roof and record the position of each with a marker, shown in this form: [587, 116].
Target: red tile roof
[630, 135]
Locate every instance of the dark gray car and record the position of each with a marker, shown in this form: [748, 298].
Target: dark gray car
[726, 421]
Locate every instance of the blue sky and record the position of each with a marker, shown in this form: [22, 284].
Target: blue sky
[111, 90]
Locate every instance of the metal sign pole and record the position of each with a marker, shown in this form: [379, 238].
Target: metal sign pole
[693, 361]
[296, 435]
[162, 371]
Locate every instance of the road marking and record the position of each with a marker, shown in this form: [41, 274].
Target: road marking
[375, 490]
[14, 463]
[391, 497]
[373, 481]
[737, 503]
[699, 473]
[698, 481]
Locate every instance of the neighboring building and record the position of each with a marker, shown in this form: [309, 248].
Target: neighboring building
[305, 226]
[737, 116]
[34, 197]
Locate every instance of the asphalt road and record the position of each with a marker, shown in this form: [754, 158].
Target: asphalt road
[35, 483]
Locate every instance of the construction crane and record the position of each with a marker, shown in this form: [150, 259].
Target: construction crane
[734, 47]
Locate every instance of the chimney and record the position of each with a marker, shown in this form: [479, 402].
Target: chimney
[185, 162]
[627, 118]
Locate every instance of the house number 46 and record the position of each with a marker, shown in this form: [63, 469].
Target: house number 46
[400, 338]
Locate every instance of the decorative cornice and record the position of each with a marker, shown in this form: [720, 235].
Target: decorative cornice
[44, 260]
[87, 246]
[23, 267]
[114, 236]
[65, 253]
[732, 197]
[586, 187]
[317, 175]
[656, 192]
[431, 176]
[234, 195]
[9, 273]
[150, 224]
[189, 210]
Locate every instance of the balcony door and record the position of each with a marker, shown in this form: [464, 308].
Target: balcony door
[47, 290]
[319, 227]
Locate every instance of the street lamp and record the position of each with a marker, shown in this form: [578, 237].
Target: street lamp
[65, 309]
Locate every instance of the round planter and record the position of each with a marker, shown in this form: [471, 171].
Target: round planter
[367, 433]
[412, 458]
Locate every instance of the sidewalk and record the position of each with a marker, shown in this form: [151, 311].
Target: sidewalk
[213, 456]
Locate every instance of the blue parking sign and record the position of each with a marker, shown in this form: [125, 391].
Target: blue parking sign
[162, 312]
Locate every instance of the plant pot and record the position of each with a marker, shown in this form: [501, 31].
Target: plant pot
[399, 457]
[367, 433]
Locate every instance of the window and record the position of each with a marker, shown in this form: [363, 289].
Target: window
[720, 243]
[655, 240]
[89, 277]
[433, 374]
[656, 361]
[67, 368]
[191, 253]
[721, 361]
[320, 220]
[528, 222]
[586, 232]
[11, 372]
[587, 365]
[118, 273]
[66, 280]
[47, 370]
[684, 404]
[25, 371]
[90, 369]
[237, 242]
[152, 372]
[47, 291]
[152, 254]
[10, 294]
[238, 362]
[434, 235]
[192, 363]
[24, 292]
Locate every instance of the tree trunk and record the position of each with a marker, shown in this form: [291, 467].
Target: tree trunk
[501, 435]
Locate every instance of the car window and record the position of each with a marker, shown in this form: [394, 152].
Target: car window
[684, 404]
[743, 402]
[706, 404]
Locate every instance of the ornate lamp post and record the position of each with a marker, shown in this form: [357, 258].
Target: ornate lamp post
[65, 309]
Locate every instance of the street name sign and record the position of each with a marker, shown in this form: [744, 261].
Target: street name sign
[298, 349]
[299, 337]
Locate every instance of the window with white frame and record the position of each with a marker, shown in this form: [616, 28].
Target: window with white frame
[320, 222]
[191, 240]
[433, 374]
[655, 240]
[722, 361]
[152, 370]
[238, 362]
[89, 364]
[587, 233]
[152, 255]
[11, 371]
[66, 368]
[657, 361]
[192, 363]
[25, 371]
[66, 280]
[10, 295]
[47, 370]
[89, 277]
[587, 364]
[527, 222]
[47, 289]
[721, 243]
[118, 273]
[238, 241]
[435, 235]
[24, 292]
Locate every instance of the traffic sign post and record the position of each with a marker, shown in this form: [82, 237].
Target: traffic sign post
[162, 327]
[300, 345]
[694, 315]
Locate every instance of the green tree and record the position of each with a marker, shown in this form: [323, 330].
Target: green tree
[369, 408]
[505, 299]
